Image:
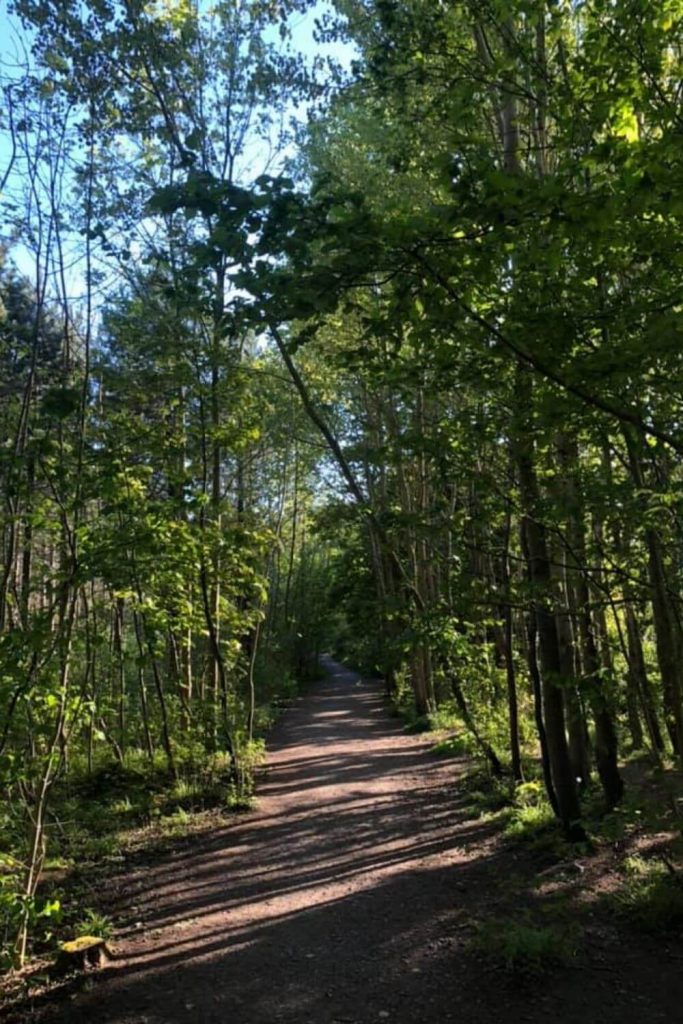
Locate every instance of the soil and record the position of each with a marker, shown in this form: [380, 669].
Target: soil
[351, 895]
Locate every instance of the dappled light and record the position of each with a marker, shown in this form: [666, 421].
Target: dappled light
[341, 511]
[353, 890]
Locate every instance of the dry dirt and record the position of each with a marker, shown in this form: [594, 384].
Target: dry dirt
[351, 895]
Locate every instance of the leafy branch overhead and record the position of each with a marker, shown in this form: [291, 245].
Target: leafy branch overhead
[354, 327]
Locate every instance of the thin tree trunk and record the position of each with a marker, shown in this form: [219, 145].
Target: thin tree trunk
[538, 710]
[667, 631]
[536, 551]
[606, 746]
[513, 709]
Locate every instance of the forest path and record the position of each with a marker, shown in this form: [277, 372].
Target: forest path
[347, 897]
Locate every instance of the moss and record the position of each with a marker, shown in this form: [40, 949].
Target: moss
[80, 944]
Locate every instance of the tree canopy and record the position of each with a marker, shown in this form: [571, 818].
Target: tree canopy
[381, 355]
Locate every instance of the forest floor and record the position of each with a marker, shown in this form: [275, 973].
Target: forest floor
[362, 888]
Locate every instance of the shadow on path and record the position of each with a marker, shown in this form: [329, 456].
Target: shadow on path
[349, 895]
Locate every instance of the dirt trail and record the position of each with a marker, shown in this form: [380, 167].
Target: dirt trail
[348, 896]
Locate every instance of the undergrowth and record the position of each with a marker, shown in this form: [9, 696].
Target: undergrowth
[92, 922]
[99, 814]
[457, 745]
[522, 947]
[651, 895]
[530, 815]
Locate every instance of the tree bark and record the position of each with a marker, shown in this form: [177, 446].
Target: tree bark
[535, 546]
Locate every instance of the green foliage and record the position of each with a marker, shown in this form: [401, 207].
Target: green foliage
[92, 922]
[416, 724]
[531, 820]
[453, 746]
[171, 568]
[523, 811]
[42, 913]
[94, 814]
[11, 908]
[528, 821]
[637, 811]
[524, 948]
[486, 795]
[651, 896]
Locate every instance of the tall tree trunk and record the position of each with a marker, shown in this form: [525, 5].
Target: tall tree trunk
[667, 630]
[536, 550]
[606, 746]
[639, 679]
[536, 685]
[513, 709]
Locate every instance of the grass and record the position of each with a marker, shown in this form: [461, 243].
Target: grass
[636, 812]
[530, 813]
[522, 947]
[457, 745]
[417, 724]
[522, 812]
[485, 796]
[650, 897]
[527, 823]
[101, 818]
[440, 719]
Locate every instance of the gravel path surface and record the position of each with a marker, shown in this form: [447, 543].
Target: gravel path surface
[347, 897]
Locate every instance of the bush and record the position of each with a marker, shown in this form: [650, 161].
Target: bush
[531, 813]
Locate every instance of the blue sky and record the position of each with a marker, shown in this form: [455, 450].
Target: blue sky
[13, 40]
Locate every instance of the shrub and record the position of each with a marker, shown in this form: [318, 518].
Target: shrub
[531, 813]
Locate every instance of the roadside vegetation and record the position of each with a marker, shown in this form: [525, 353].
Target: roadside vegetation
[371, 345]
